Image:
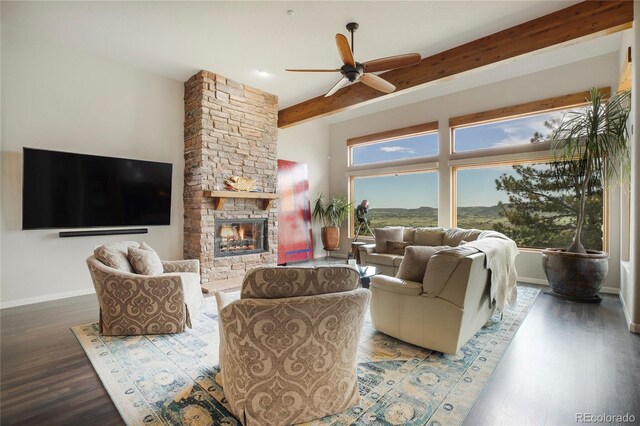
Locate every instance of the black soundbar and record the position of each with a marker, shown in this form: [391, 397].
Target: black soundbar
[68, 234]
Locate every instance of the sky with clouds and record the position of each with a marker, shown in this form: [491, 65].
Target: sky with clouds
[518, 131]
[399, 149]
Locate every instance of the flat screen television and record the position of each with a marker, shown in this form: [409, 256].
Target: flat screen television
[66, 190]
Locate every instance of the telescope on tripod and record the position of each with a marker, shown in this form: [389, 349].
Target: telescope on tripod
[361, 217]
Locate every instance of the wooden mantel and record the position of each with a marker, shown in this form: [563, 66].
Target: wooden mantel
[219, 197]
[579, 21]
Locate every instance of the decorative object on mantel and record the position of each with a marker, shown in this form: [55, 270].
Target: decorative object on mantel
[332, 215]
[592, 145]
[428, 387]
[219, 197]
[240, 183]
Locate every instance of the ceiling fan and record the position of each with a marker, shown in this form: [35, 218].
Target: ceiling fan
[353, 71]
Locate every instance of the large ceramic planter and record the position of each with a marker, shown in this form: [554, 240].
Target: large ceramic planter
[330, 238]
[574, 276]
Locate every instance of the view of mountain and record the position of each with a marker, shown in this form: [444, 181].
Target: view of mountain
[481, 217]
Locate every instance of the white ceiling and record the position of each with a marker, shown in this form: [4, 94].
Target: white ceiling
[237, 39]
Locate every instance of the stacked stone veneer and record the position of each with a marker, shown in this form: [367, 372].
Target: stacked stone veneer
[229, 129]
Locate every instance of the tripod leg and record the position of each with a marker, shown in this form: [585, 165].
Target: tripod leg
[355, 238]
[368, 229]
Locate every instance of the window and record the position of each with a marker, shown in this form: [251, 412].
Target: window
[506, 133]
[530, 203]
[409, 199]
[400, 144]
[425, 145]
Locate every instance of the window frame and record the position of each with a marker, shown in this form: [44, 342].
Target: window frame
[518, 154]
[528, 109]
[374, 174]
[388, 136]
[447, 161]
[500, 163]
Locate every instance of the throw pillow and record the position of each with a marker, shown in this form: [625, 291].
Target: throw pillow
[397, 247]
[145, 261]
[145, 246]
[115, 255]
[382, 235]
[429, 236]
[414, 264]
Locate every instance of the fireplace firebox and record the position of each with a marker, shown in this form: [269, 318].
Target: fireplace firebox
[235, 237]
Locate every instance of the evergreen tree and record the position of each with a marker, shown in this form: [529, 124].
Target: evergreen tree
[543, 205]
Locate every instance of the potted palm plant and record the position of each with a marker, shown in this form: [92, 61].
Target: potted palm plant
[332, 215]
[592, 144]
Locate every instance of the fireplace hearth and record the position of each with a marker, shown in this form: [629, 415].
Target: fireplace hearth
[235, 237]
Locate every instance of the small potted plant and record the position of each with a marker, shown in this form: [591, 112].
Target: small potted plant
[593, 145]
[332, 215]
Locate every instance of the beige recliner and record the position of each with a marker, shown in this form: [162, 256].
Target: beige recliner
[443, 312]
[133, 304]
[457, 294]
[288, 346]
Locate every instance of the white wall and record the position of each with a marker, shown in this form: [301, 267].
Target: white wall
[309, 143]
[60, 99]
[630, 271]
[599, 71]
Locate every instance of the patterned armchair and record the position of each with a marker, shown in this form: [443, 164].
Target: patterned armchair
[288, 347]
[132, 304]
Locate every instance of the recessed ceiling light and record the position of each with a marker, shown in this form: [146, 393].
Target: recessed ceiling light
[291, 12]
[263, 73]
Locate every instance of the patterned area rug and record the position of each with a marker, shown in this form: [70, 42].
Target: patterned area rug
[171, 379]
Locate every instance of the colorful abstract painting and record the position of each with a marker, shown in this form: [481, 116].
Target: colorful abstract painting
[295, 241]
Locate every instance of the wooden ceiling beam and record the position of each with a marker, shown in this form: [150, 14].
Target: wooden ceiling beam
[585, 19]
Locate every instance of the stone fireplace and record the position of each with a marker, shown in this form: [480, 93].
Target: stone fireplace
[230, 130]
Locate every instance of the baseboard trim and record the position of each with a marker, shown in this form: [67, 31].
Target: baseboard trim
[45, 298]
[608, 290]
[633, 327]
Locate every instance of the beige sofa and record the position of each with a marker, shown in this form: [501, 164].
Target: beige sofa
[288, 346]
[389, 263]
[453, 301]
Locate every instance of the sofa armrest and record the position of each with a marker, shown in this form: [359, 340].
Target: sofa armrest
[367, 248]
[396, 285]
[189, 265]
[450, 276]
[222, 300]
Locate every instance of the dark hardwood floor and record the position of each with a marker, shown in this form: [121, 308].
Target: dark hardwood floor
[46, 376]
[565, 359]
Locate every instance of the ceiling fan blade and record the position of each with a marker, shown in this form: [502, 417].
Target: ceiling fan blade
[310, 70]
[339, 85]
[345, 50]
[391, 62]
[377, 83]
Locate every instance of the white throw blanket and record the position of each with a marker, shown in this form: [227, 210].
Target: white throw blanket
[501, 253]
